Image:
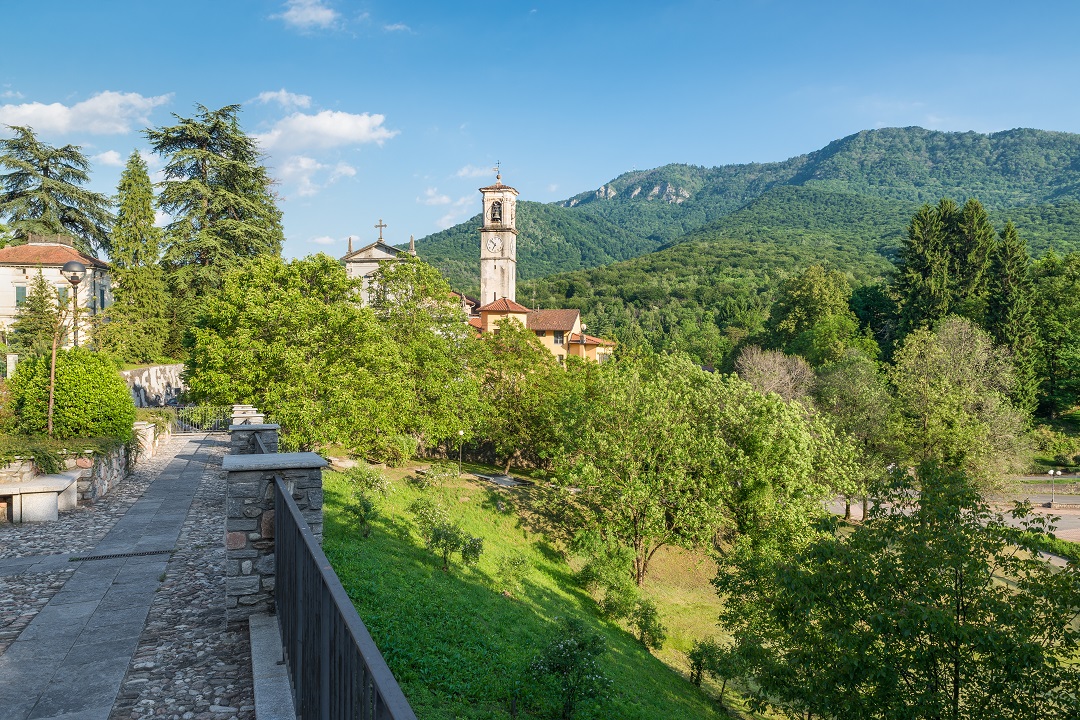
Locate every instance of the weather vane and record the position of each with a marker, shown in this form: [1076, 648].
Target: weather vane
[498, 174]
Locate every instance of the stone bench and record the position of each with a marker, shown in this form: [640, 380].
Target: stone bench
[42, 498]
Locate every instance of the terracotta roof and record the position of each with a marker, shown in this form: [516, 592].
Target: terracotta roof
[499, 186]
[475, 322]
[33, 254]
[552, 319]
[589, 340]
[503, 305]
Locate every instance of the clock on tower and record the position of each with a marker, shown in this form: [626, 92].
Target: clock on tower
[498, 243]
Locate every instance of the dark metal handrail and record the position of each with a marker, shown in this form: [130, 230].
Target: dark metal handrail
[337, 672]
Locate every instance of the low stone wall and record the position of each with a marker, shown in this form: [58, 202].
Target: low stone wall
[156, 385]
[150, 437]
[242, 439]
[100, 473]
[17, 470]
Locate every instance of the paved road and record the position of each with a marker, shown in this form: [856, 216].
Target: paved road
[1068, 524]
[70, 660]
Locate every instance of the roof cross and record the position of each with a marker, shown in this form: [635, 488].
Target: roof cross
[381, 225]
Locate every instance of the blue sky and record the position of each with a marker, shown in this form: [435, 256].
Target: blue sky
[397, 110]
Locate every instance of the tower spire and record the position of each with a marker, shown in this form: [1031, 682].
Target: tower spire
[412, 246]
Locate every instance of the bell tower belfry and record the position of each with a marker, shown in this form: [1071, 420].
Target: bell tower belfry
[498, 243]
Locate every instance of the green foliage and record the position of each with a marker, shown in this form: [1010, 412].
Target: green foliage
[92, 400]
[135, 327]
[368, 479]
[37, 320]
[934, 607]
[645, 619]
[361, 512]
[50, 454]
[511, 570]
[136, 242]
[568, 667]
[218, 193]
[1010, 320]
[437, 475]
[290, 339]
[43, 193]
[1057, 315]
[710, 657]
[428, 515]
[446, 538]
[953, 387]
[608, 569]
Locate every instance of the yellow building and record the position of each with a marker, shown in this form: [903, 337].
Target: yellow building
[560, 331]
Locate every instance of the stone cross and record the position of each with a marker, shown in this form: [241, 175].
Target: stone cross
[381, 225]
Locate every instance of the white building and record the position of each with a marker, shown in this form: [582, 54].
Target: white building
[364, 262]
[19, 265]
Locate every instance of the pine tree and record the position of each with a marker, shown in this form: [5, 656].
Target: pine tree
[219, 194]
[36, 319]
[135, 240]
[972, 243]
[1010, 319]
[43, 193]
[922, 275]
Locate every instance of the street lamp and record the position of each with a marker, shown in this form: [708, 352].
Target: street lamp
[74, 271]
[460, 440]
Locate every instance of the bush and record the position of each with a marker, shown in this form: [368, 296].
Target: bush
[398, 450]
[709, 656]
[510, 571]
[361, 511]
[435, 476]
[645, 618]
[569, 669]
[368, 479]
[607, 569]
[91, 399]
[428, 516]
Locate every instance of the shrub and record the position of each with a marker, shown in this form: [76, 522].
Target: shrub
[607, 569]
[361, 511]
[510, 571]
[709, 656]
[398, 450]
[568, 667]
[428, 516]
[435, 476]
[91, 399]
[368, 479]
[645, 618]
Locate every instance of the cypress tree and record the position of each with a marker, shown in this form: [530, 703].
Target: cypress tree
[135, 240]
[1010, 318]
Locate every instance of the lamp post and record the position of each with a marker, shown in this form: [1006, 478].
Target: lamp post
[460, 440]
[74, 271]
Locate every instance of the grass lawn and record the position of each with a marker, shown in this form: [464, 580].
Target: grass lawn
[459, 645]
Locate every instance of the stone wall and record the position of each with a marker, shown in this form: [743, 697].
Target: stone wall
[100, 473]
[156, 385]
[242, 439]
[249, 522]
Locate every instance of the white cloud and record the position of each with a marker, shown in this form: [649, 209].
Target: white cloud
[473, 171]
[162, 218]
[11, 95]
[432, 197]
[460, 210]
[309, 15]
[326, 129]
[397, 27]
[107, 113]
[285, 98]
[324, 240]
[110, 158]
[302, 172]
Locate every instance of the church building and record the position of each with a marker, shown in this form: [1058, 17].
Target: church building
[560, 331]
[364, 262]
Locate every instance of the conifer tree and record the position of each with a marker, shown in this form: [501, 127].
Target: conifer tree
[922, 275]
[1009, 312]
[36, 319]
[135, 327]
[43, 193]
[135, 240]
[972, 243]
[219, 195]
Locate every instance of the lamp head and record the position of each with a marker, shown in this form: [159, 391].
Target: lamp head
[73, 271]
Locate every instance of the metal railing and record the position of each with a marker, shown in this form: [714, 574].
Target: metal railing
[337, 672]
[200, 419]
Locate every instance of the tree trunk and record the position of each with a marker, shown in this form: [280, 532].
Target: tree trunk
[52, 382]
[847, 508]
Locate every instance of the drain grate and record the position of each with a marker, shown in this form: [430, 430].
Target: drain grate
[122, 555]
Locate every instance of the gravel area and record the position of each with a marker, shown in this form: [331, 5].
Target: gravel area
[81, 529]
[188, 665]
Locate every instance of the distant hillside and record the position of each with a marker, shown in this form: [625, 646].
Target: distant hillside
[860, 189]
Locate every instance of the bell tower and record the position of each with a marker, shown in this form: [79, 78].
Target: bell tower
[498, 242]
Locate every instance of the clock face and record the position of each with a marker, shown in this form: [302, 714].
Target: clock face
[494, 243]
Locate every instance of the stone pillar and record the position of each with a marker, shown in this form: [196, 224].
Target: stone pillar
[249, 523]
[242, 439]
[12, 361]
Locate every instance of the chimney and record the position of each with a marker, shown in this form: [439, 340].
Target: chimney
[350, 244]
[412, 246]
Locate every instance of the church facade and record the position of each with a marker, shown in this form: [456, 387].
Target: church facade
[361, 264]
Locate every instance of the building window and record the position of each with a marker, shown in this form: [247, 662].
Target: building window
[101, 299]
[62, 295]
[541, 333]
[20, 295]
[562, 359]
[558, 337]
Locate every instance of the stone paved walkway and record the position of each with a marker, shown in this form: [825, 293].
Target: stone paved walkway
[127, 637]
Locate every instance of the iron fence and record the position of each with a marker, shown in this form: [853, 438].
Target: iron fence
[200, 419]
[337, 672]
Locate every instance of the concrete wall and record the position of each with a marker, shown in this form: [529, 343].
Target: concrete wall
[156, 385]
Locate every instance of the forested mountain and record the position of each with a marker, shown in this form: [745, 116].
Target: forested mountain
[861, 189]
